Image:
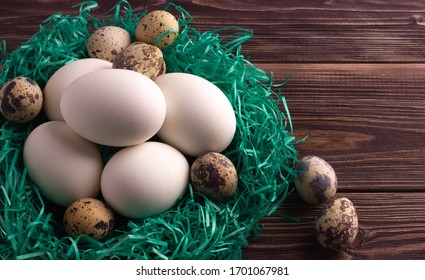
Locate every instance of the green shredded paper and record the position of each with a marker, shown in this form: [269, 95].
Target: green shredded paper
[263, 150]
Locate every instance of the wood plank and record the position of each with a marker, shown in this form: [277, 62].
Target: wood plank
[326, 31]
[284, 31]
[367, 120]
[392, 226]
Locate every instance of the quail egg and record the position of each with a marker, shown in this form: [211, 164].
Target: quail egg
[21, 99]
[157, 24]
[141, 57]
[214, 175]
[108, 41]
[88, 216]
[316, 180]
[337, 225]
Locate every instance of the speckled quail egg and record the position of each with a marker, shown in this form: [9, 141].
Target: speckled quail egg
[88, 216]
[316, 180]
[157, 24]
[214, 175]
[108, 41]
[337, 225]
[141, 57]
[163, 69]
[21, 99]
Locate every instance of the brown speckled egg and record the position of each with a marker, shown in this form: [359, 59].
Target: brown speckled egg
[156, 24]
[163, 69]
[88, 216]
[141, 57]
[337, 224]
[214, 175]
[316, 180]
[106, 42]
[21, 100]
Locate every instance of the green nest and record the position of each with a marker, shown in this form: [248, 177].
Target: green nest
[196, 228]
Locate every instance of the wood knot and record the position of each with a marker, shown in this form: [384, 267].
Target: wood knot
[418, 19]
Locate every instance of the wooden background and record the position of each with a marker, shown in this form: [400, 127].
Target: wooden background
[358, 91]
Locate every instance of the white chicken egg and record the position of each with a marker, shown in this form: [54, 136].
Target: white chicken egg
[65, 166]
[62, 78]
[199, 116]
[114, 107]
[145, 180]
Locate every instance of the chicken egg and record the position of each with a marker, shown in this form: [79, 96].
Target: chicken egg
[114, 107]
[145, 180]
[199, 117]
[64, 165]
[62, 78]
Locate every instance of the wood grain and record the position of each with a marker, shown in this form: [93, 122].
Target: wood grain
[285, 31]
[389, 229]
[357, 88]
[367, 120]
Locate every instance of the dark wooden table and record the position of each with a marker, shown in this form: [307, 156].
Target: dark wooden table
[357, 90]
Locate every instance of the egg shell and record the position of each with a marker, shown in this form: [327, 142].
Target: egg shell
[337, 224]
[114, 107]
[316, 180]
[21, 100]
[156, 24]
[108, 41]
[141, 57]
[145, 180]
[62, 78]
[214, 175]
[163, 69]
[88, 216]
[65, 166]
[199, 116]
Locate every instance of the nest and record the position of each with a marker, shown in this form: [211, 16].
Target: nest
[263, 150]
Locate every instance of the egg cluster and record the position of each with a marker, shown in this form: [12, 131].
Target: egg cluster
[121, 96]
[316, 183]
